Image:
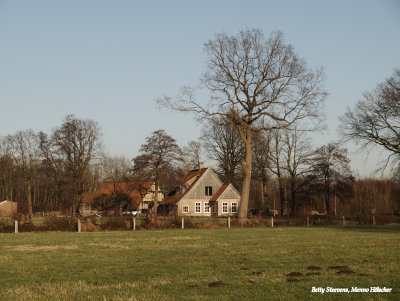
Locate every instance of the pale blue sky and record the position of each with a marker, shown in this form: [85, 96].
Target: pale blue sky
[109, 60]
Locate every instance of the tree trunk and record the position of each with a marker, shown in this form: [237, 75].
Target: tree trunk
[29, 198]
[155, 202]
[261, 185]
[328, 193]
[281, 194]
[293, 203]
[246, 165]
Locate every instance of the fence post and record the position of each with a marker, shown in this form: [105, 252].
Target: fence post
[373, 220]
[308, 221]
[183, 223]
[134, 223]
[344, 221]
[15, 226]
[229, 221]
[272, 221]
[79, 225]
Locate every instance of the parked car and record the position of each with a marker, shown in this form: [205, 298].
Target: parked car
[133, 212]
[252, 211]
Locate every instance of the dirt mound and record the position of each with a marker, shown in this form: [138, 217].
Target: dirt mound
[313, 274]
[292, 280]
[216, 283]
[295, 274]
[314, 268]
[341, 272]
[338, 267]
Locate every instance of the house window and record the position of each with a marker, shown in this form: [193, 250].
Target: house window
[234, 207]
[208, 190]
[198, 207]
[185, 209]
[206, 207]
[224, 207]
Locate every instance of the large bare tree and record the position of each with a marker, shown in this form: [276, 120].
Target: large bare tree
[254, 80]
[375, 119]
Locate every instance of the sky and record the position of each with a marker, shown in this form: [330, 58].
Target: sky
[109, 60]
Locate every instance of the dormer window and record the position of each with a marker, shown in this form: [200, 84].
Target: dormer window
[209, 191]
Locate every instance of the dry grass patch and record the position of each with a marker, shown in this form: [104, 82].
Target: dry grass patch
[30, 248]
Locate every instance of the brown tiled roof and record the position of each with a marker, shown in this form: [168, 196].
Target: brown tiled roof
[189, 175]
[135, 191]
[219, 192]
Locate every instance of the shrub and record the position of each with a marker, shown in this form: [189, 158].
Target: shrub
[6, 227]
[116, 223]
[53, 223]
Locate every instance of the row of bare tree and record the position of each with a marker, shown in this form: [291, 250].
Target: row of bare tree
[50, 172]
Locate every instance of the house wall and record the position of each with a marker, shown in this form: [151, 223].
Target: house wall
[230, 193]
[229, 201]
[198, 191]
[8, 209]
[192, 207]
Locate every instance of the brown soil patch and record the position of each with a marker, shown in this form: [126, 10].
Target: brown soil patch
[314, 268]
[292, 280]
[216, 283]
[251, 281]
[338, 267]
[342, 272]
[257, 273]
[295, 274]
[363, 275]
[207, 225]
[313, 274]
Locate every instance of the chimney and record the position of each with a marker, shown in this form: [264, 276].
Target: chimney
[201, 165]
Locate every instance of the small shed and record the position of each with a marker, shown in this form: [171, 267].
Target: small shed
[8, 208]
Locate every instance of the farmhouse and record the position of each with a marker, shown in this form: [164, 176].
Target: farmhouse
[202, 193]
[8, 208]
[130, 195]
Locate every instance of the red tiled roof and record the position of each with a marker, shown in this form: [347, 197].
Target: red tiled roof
[189, 175]
[219, 192]
[135, 191]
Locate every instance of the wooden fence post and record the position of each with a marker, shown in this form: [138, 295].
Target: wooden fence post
[183, 223]
[272, 221]
[15, 226]
[343, 221]
[229, 221]
[134, 223]
[308, 221]
[79, 225]
[373, 220]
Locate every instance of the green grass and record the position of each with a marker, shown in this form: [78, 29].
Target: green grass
[253, 264]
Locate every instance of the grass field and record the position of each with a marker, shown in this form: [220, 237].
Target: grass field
[201, 264]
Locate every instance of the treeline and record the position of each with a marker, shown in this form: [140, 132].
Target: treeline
[52, 172]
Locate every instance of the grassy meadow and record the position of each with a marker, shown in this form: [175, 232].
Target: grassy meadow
[281, 263]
